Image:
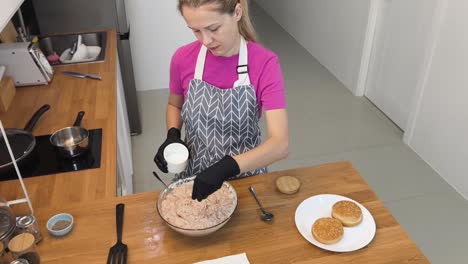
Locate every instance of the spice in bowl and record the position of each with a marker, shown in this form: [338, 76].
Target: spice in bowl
[61, 224]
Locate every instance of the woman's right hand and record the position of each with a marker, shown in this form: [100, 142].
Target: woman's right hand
[173, 136]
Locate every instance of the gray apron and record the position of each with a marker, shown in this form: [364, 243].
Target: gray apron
[220, 122]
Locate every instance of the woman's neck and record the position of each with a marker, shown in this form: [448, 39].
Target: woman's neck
[235, 48]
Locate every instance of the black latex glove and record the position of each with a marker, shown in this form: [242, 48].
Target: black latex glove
[173, 136]
[211, 179]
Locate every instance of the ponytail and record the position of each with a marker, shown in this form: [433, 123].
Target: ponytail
[246, 28]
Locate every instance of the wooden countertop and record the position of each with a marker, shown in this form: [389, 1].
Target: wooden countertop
[66, 97]
[150, 241]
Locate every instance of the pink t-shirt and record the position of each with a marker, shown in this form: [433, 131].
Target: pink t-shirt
[264, 73]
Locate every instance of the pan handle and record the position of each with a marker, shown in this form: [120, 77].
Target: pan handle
[32, 122]
[79, 117]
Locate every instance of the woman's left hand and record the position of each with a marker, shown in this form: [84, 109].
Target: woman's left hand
[211, 179]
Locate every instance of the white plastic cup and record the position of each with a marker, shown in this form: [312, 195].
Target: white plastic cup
[176, 156]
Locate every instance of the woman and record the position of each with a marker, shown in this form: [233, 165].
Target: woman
[218, 88]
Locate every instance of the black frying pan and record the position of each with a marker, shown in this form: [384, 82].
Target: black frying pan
[22, 141]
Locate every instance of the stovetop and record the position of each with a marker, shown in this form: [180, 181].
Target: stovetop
[45, 160]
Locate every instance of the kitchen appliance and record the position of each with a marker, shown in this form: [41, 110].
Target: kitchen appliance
[25, 63]
[45, 160]
[66, 16]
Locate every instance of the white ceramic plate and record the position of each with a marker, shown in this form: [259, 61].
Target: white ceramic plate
[319, 206]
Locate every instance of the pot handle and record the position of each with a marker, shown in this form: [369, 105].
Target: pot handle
[32, 122]
[79, 117]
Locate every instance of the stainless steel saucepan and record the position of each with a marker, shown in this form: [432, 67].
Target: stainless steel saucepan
[71, 142]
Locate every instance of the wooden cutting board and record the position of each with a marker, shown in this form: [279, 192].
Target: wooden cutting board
[9, 34]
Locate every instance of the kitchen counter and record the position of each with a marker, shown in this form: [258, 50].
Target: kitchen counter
[150, 241]
[66, 97]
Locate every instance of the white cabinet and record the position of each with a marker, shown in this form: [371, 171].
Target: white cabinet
[7, 9]
[401, 41]
[440, 128]
[124, 144]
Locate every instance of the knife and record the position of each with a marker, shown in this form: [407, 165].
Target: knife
[82, 75]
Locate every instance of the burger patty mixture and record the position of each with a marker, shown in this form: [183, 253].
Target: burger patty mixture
[180, 210]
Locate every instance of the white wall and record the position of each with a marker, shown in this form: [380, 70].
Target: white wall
[440, 129]
[333, 31]
[157, 30]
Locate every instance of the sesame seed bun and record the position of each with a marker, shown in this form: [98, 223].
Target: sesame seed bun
[327, 230]
[348, 212]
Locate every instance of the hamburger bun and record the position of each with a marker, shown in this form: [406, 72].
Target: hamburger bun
[327, 230]
[348, 212]
[288, 184]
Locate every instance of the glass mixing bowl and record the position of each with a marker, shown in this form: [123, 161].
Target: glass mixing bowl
[195, 231]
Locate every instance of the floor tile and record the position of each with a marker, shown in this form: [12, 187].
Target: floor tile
[437, 223]
[395, 172]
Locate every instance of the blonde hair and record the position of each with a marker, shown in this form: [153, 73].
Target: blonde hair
[246, 28]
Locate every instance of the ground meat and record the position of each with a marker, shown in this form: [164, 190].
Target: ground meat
[180, 210]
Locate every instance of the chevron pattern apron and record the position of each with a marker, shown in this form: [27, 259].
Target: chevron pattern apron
[220, 122]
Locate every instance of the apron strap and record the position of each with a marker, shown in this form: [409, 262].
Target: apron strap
[242, 66]
[200, 63]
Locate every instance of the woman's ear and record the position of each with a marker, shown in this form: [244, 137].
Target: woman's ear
[238, 12]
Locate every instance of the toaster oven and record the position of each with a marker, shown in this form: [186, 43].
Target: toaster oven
[25, 63]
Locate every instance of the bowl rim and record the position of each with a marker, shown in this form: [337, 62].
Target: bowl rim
[53, 218]
[187, 180]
